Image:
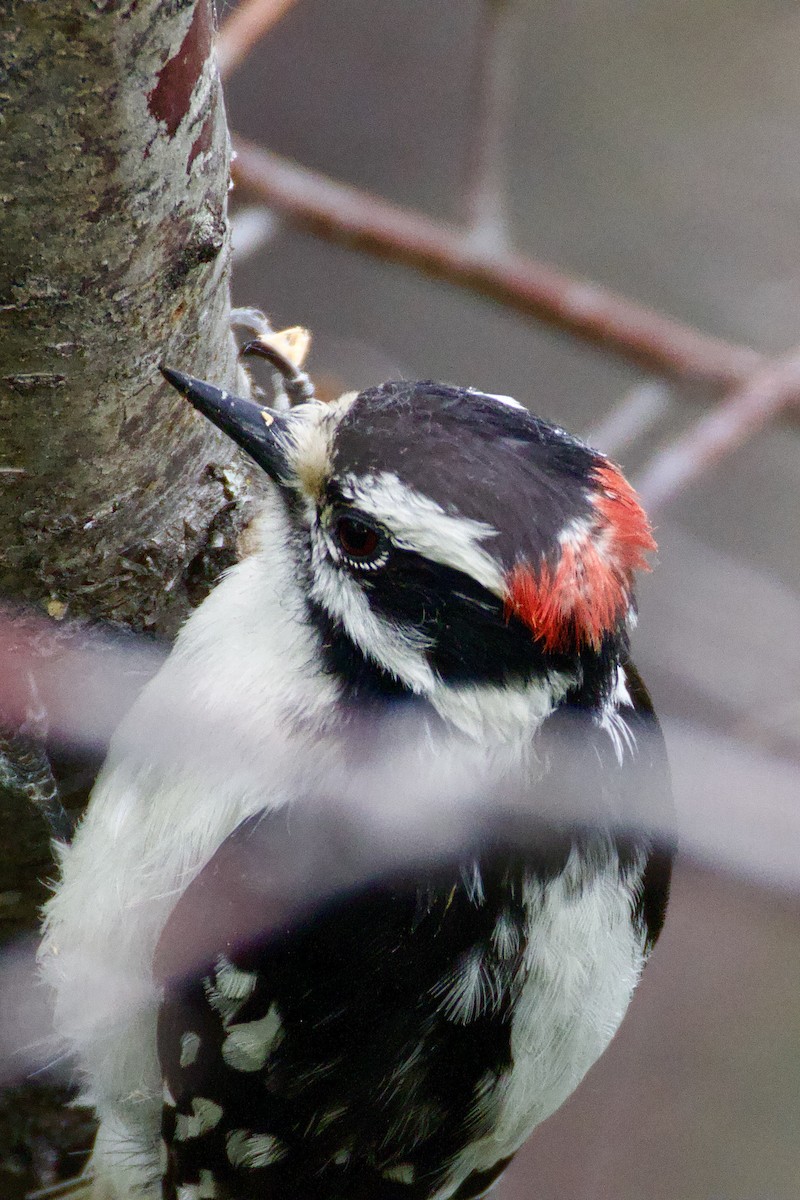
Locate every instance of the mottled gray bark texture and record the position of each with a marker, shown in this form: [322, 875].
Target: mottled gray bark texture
[117, 502]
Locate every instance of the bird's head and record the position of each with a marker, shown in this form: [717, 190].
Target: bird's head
[449, 537]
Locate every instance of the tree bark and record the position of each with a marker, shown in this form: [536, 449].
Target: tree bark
[117, 500]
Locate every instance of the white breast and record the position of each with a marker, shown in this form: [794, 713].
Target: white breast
[180, 776]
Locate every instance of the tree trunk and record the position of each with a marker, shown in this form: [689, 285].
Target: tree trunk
[117, 501]
[117, 256]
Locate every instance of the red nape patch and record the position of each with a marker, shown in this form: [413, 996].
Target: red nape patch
[625, 521]
[588, 590]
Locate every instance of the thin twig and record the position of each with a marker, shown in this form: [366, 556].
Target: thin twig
[630, 418]
[493, 86]
[742, 413]
[246, 25]
[345, 214]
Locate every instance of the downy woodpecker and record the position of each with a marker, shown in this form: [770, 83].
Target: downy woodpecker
[426, 550]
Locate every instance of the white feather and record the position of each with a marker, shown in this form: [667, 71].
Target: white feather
[253, 1150]
[584, 961]
[247, 1046]
[205, 1115]
[613, 721]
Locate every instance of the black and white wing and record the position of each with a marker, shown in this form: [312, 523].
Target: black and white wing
[347, 1055]
[332, 1037]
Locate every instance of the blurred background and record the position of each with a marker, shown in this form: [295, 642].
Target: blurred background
[654, 148]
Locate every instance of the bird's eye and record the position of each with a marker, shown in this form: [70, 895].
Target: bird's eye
[358, 540]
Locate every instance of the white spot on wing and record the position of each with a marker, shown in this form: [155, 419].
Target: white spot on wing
[224, 1005]
[232, 982]
[207, 1188]
[205, 1115]
[245, 1149]
[401, 1173]
[190, 1046]
[247, 1046]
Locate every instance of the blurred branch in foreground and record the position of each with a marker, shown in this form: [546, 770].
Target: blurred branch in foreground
[88, 685]
[421, 805]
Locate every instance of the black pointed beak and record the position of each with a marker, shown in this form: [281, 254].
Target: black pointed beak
[260, 431]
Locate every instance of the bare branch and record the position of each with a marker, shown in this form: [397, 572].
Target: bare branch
[246, 25]
[720, 432]
[630, 418]
[345, 214]
[493, 86]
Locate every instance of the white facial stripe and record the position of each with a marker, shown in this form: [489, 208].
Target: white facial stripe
[418, 523]
[400, 651]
